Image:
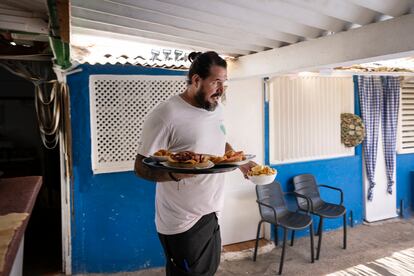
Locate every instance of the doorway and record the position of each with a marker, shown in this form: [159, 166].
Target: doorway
[21, 154]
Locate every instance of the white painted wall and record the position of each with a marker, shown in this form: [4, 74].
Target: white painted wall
[244, 126]
[383, 206]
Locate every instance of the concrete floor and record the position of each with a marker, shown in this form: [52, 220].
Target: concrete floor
[366, 243]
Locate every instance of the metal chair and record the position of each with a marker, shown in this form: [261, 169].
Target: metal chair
[273, 209]
[305, 185]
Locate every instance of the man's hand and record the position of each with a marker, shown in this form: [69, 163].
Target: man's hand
[246, 167]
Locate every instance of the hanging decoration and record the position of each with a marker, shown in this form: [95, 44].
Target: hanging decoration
[352, 130]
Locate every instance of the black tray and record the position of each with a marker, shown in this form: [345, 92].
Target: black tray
[216, 169]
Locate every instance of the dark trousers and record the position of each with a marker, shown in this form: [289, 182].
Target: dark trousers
[195, 252]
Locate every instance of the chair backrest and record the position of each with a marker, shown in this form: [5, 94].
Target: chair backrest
[305, 184]
[272, 195]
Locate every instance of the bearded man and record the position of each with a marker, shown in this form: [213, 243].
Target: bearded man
[187, 205]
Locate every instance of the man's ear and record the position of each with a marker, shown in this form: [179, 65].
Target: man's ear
[196, 80]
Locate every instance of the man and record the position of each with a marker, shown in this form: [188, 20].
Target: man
[186, 205]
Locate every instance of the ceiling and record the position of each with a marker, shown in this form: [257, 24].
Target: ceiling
[24, 30]
[230, 27]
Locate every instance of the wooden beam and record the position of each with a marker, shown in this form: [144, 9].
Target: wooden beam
[23, 24]
[383, 40]
[340, 9]
[292, 13]
[393, 8]
[84, 18]
[135, 17]
[273, 38]
[249, 17]
[63, 11]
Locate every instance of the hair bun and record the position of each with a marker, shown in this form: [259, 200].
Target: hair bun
[193, 55]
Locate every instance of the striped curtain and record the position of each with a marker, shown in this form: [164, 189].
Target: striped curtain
[389, 122]
[369, 90]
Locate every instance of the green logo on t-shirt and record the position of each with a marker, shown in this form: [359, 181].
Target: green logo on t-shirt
[223, 129]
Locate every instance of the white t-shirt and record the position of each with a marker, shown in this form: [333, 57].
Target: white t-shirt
[178, 126]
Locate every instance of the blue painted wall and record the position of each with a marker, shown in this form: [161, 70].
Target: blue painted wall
[113, 214]
[113, 225]
[405, 183]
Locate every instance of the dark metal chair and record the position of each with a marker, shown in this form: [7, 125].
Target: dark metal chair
[305, 185]
[273, 209]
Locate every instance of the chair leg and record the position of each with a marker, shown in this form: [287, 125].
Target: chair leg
[320, 230]
[345, 225]
[311, 242]
[283, 250]
[257, 240]
[276, 235]
[292, 238]
[319, 225]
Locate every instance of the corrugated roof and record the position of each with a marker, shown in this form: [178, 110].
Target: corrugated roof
[93, 50]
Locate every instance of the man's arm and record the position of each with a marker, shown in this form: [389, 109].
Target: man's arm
[151, 174]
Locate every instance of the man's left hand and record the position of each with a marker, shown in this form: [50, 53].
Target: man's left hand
[246, 167]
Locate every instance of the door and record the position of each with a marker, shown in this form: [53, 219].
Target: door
[383, 206]
[244, 127]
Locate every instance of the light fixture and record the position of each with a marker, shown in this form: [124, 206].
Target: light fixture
[177, 54]
[155, 54]
[167, 54]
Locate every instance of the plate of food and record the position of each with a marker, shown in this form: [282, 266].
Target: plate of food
[232, 157]
[187, 162]
[161, 155]
[261, 175]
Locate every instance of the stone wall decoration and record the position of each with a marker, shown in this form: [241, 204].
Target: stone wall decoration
[352, 130]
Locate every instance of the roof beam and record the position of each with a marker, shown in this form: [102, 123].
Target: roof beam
[80, 31]
[27, 5]
[292, 13]
[387, 39]
[186, 43]
[248, 16]
[394, 8]
[23, 24]
[127, 22]
[209, 21]
[182, 24]
[341, 9]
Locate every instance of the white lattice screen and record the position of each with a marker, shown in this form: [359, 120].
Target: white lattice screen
[305, 117]
[118, 106]
[406, 118]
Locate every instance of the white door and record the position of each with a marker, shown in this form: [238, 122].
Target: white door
[244, 127]
[383, 206]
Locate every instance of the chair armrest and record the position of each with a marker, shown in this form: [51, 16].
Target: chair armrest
[309, 202]
[337, 189]
[268, 206]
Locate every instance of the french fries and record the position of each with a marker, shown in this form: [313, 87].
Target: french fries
[261, 170]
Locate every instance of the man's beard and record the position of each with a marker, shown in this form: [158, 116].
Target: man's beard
[203, 103]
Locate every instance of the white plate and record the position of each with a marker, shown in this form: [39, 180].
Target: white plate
[210, 165]
[239, 163]
[159, 158]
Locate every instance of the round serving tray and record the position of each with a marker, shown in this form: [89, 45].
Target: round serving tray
[150, 162]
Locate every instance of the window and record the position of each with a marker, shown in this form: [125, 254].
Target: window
[406, 118]
[305, 117]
